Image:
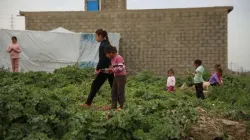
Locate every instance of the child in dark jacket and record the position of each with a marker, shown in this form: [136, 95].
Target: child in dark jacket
[103, 63]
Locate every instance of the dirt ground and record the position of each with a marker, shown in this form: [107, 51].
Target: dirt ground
[213, 128]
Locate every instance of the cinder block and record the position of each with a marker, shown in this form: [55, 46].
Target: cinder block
[154, 38]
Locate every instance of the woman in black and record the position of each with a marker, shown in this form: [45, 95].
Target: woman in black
[104, 62]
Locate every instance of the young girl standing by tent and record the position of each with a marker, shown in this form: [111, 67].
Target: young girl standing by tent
[14, 50]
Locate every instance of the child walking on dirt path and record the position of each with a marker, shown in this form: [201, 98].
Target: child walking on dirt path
[14, 50]
[104, 63]
[171, 81]
[198, 79]
[118, 68]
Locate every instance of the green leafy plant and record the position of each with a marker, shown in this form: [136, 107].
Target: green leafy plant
[46, 106]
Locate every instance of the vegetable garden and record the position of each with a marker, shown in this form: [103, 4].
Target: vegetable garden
[46, 106]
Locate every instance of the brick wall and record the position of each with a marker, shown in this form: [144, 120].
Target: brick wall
[154, 40]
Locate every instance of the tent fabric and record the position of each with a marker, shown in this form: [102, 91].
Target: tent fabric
[87, 53]
[47, 51]
[61, 30]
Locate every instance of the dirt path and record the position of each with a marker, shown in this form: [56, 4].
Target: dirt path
[209, 128]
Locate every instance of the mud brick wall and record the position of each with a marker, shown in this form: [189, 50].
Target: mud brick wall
[155, 40]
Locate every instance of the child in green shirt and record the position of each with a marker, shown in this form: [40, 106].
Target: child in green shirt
[198, 79]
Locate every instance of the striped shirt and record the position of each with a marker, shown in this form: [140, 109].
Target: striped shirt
[118, 66]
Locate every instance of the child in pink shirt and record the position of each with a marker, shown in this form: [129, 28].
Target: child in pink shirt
[171, 81]
[14, 50]
[118, 68]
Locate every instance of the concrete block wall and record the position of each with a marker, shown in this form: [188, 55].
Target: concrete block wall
[113, 5]
[108, 5]
[155, 40]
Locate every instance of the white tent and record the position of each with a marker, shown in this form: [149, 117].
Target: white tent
[47, 51]
[61, 30]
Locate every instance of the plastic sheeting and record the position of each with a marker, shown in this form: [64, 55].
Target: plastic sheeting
[47, 51]
[61, 30]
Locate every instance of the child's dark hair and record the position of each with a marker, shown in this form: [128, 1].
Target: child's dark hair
[13, 37]
[219, 70]
[198, 62]
[216, 66]
[171, 70]
[103, 33]
[110, 49]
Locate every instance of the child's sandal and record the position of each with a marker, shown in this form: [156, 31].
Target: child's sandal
[85, 105]
[118, 108]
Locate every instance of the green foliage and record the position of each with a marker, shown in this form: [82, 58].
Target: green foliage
[179, 82]
[235, 93]
[39, 105]
[46, 106]
[206, 75]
